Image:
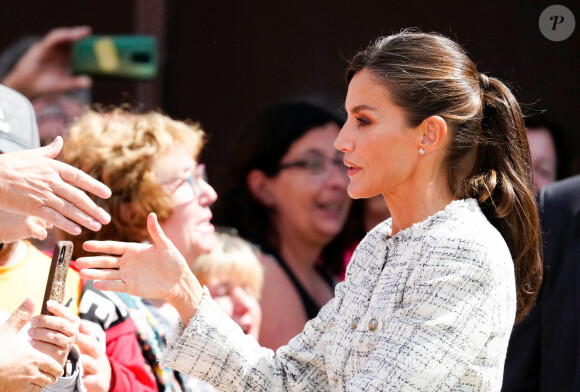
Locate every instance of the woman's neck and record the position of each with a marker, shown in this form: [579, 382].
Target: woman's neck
[297, 251]
[417, 203]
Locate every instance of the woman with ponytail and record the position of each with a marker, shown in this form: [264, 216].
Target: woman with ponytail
[432, 293]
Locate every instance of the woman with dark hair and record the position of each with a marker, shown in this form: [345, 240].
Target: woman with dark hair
[432, 293]
[289, 197]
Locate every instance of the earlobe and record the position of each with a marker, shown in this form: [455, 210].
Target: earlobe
[434, 132]
[257, 182]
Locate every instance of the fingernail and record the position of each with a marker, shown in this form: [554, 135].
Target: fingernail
[34, 321]
[104, 217]
[76, 230]
[95, 226]
[31, 332]
[51, 303]
[27, 306]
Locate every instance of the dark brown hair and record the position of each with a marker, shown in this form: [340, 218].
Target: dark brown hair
[488, 157]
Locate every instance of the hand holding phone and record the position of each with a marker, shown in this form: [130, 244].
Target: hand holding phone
[56, 282]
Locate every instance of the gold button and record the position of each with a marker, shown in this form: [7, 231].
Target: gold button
[329, 324]
[373, 324]
[354, 323]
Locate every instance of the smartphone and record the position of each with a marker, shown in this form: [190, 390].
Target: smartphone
[56, 282]
[116, 56]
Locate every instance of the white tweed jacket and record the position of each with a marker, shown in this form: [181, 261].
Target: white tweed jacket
[429, 309]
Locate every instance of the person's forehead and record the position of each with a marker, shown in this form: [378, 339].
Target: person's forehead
[174, 162]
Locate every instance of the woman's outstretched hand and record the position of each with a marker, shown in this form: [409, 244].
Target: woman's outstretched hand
[149, 271]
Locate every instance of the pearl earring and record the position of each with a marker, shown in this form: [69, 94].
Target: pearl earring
[421, 151]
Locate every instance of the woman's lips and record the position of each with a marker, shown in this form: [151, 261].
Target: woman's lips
[352, 171]
[352, 168]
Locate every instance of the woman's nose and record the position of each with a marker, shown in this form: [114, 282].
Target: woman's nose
[241, 300]
[343, 141]
[338, 174]
[208, 195]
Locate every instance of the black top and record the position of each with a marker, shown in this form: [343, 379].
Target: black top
[310, 306]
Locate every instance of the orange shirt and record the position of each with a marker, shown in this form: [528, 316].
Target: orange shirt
[27, 278]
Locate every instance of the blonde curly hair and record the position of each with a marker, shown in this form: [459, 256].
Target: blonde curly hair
[120, 149]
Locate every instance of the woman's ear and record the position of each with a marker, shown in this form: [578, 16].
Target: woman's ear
[259, 185]
[434, 129]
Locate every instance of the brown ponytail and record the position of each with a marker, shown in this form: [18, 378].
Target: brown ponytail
[488, 156]
[501, 181]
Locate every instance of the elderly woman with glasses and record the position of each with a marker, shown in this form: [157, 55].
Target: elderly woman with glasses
[289, 197]
[149, 161]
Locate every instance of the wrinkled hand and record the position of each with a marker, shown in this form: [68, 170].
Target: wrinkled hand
[21, 366]
[150, 271]
[33, 183]
[55, 335]
[96, 366]
[45, 67]
[17, 227]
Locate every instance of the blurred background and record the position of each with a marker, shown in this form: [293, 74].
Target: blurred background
[223, 62]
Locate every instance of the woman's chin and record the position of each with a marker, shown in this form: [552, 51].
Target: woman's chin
[205, 241]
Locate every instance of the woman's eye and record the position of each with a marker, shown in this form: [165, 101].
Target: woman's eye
[315, 166]
[249, 290]
[362, 121]
[219, 291]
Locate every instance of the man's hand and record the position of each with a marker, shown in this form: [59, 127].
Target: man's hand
[33, 183]
[22, 368]
[17, 227]
[55, 335]
[45, 67]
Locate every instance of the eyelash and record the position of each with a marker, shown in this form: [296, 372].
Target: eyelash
[362, 122]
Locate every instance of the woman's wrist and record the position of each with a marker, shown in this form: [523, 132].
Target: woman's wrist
[188, 296]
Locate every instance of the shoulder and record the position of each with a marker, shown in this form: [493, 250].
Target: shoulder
[464, 236]
[561, 196]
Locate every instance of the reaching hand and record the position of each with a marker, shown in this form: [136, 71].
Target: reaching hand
[22, 368]
[17, 227]
[33, 183]
[45, 67]
[55, 335]
[149, 271]
[96, 366]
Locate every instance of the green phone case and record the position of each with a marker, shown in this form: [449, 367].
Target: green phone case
[117, 56]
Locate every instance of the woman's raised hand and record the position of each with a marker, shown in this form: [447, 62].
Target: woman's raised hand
[144, 270]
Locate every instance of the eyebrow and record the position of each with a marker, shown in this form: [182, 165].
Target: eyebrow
[358, 108]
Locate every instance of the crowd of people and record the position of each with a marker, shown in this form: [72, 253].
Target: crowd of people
[456, 269]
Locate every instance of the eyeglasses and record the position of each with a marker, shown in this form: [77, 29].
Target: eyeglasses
[318, 168]
[195, 180]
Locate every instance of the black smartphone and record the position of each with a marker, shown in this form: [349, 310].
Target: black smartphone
[56, 282]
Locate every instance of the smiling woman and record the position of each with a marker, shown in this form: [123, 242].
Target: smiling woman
[290, 199]
[150, 163]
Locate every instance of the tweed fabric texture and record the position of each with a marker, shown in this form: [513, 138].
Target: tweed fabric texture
[429, 309]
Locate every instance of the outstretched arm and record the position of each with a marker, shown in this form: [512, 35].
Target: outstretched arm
[45, 67]
[149, 271]
[33, 183]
